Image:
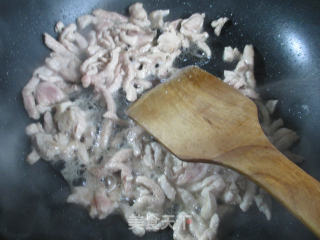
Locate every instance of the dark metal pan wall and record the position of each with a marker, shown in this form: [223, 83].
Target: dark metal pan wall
[286, 36]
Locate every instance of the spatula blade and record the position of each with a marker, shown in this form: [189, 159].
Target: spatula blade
[195, 115]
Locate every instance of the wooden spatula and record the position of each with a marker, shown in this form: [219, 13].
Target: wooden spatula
[201, 119]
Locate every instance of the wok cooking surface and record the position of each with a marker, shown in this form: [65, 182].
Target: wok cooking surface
[286, 36]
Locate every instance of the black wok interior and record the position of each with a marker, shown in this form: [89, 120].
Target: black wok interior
[286, 36]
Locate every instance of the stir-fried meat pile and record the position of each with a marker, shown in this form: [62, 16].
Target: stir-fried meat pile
[78, 100]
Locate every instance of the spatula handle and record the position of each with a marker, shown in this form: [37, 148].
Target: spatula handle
[283, 179]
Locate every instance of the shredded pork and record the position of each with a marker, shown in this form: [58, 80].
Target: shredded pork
[78, 99]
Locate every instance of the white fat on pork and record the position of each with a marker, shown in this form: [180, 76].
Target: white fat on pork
[231, 54]
[167, 188]
[156, 18]
[218, 24]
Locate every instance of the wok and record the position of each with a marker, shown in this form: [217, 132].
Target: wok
[286, 36]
